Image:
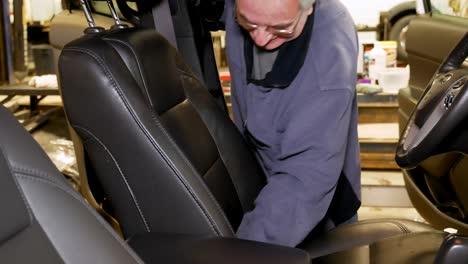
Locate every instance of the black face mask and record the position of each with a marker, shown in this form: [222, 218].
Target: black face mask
[290, 58]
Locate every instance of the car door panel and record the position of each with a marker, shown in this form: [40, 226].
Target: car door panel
[429, 41]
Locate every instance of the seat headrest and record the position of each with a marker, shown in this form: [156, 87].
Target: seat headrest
[144, 55]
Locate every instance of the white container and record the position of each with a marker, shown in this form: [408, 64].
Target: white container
[42, 10]
[393, 79]
[377, 61]
[390, 48]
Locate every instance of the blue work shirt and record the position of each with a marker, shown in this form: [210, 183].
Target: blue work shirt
[305, 134]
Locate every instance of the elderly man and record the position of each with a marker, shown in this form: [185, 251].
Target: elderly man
[293, 69]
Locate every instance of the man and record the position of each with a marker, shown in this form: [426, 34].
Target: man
[293, 71]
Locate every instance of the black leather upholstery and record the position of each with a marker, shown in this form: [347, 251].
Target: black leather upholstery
[362, 233]
[43, 219]
[168, 157]
[409, 249]
[11, 198]
[176, 248]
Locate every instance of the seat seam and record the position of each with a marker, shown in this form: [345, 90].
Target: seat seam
[185, 74]
[129, 189]
[211, 166]
[172, 141]
[38, 173]
[145, 85]
[217, 156]
[47, 181]
[18, 187]
[189, 164]
[402, 227]
[199, 178]
[194, 197]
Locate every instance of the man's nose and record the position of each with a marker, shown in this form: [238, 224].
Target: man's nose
[261, 36]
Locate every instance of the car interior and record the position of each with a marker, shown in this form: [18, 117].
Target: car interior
[161, 156]
[436, 183]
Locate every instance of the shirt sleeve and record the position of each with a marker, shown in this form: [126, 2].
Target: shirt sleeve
[304, 177]
[236, 112]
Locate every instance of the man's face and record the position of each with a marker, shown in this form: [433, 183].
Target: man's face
[271, 23]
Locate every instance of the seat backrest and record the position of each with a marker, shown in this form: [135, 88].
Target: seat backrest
[168, 157]
[43, 218]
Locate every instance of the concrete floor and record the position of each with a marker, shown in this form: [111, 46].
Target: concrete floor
[54, 138]
[55, 128]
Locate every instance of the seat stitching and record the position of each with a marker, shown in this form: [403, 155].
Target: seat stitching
[38, 173]
[145, 85]
[402, 227]
[167, 112]
[399, 225]
[199, 179]
[211, 166]
[187, 186]
[187, 75]
[47, 181]
[20, 190]
[192, 168]
[129, 189]
[180, 177]
[215, 202]
[151, 139]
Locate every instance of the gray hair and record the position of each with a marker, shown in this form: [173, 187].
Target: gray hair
[306, 3]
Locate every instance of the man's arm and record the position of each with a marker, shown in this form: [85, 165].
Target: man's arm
[306, 173]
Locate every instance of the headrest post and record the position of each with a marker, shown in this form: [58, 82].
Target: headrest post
[87, 12]
[92, 29]
[118, 23]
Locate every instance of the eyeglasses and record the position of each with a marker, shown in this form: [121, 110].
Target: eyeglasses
[279, 31]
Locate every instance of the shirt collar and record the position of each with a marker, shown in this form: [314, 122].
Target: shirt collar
[291, 57]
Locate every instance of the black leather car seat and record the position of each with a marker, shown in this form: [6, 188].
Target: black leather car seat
[168, 157]
[44, 220]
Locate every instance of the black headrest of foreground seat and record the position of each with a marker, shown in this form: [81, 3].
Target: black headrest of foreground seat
[44, 220]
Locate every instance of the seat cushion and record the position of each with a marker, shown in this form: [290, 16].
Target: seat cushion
[361, 233]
